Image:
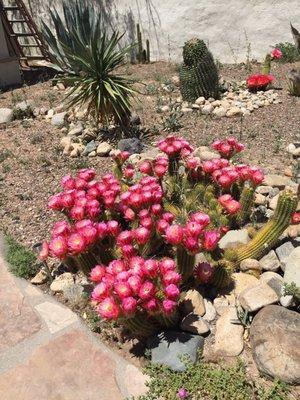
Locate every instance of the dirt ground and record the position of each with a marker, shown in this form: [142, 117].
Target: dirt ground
[32, 164]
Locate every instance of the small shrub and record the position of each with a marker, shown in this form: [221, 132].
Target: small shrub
[289, 52]
[210, 382]
[172, 122]
[22, 261]
[4, 155]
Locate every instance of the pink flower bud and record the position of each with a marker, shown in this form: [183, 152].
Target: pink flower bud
[211, 239]
[129, 214]
[161, 226]
[169, 217]
[182, 394]
[141, 235]
[192, 162]
[54, 202]
[129, 171]
[77, 213]
[86, 174]
[68, 182]
[80, 184]
[109, 309]
[147, 223]
[124, 237]
[146, 168]
[97, 273]
[169, 306]
[156, 209]
[172, 292]
[151, 305]
[102, 230]
[44, 253]
[67, 201]
[201, 218]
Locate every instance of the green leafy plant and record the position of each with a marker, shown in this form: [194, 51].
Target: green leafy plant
[22, 261]
[172, 122]
[210, 382]
[88, 56]
[291, 289]
[289, 52]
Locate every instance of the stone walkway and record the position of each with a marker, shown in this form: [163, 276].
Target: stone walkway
[46, 353]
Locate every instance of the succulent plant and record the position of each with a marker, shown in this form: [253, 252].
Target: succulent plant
[198, 73]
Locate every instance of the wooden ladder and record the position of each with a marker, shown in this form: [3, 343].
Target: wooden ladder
[30, 38]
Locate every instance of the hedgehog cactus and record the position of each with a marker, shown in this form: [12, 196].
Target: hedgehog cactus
[198, 73]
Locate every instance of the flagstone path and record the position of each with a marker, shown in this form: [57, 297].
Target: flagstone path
[46, 353]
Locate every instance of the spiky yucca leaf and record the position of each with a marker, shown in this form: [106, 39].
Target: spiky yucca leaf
[89, 57]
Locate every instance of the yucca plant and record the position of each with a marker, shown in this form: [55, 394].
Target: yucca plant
[88, 54]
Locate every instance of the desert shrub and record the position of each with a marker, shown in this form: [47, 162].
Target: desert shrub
[88, 56]
[22, 261]
[210, 382]
[289, 51]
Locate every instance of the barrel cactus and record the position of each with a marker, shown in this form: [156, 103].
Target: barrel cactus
[198, 73]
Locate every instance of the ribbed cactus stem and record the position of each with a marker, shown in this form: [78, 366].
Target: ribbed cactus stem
[147, 51]
[267, 237]
[141, 325]
[267, 65]
[185, 263]
[222, 274]
[246, 201]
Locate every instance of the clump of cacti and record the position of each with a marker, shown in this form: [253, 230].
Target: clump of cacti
[143, 54]
[198, 72]
[137, 234]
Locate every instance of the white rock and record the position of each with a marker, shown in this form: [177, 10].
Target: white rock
[219, 112]
[229, 336]
[59, 119]
[233, 238]
[249, 264]
[210, 311]
[257, 297]
[200, 101]
[186, 110]
[61, 282]
[76, 131]
[193, 302]
[292, 267]
[207, 109]
[164, 109]
[270, 262]
[104, 149]
[221, 304]
[6, 115]
[233, 112]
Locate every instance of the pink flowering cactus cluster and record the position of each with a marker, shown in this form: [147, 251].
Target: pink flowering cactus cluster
[136, 232]
[127, 286]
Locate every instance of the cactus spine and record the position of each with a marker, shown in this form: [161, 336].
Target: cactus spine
[141, 325]
[198, 73]
[246, 201]
[267, 236]
[185, 263]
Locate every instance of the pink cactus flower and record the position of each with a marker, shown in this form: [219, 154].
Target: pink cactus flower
[122, 289]
[156, 209]
[211, 239]
[192, 162]
[147, 290]
[151, 268]
[124, 237]
[129, 171]
[128, 250]
[201, 218]
[101, 230]
[204, 272]
[77, 243]
[191, 244]
[146, 167]
[129, 214]
[54, 202]
[171, 277]
[232, 207]
[80, 183]
[109, 309]
[257, 177]
[77, 213]
[89, 233]
[162, 226]
[174, 234]
[276, 53]
[97, 273]
[194, 228]
[67, 200]
[135, 283]
[68, 182]
[61, 228]
[142, 235]
[167, 264]
[100, 291]
[86, 174]
[113, 228]
[147, 223]
[117, 266]
[172, 291]
[129, 305]
[169, 217]
[151, 305]
[58, 247]
[160, 170]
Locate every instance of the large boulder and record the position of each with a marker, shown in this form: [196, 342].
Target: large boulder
[275, 343]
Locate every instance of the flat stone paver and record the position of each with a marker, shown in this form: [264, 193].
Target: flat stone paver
[46, 353]
[69, 367]
[17, 319]
[56, 316]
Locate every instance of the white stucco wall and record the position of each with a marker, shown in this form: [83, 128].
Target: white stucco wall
[228, 26]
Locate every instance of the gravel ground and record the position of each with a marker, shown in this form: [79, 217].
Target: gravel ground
[32, 164]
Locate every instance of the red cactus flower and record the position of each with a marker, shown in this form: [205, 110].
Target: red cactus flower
[259, 81]
[58, 247]
[296, 218]
[109, 309]
[204, 272]
[129, 305]
[211, 239]
[97, 273]
[169, 306]
[276, 53]
[174, 234]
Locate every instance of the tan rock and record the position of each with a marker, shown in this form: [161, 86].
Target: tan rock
[243, 281]
[250, 264]
[40, 278]
[193, 302]
[229, 336]
[257, 297]
[61, 282]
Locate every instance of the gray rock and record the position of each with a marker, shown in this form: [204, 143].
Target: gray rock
[6, 115]
[234, 238]
[275, 343]
[193, 323]
[270, 262]
[91, 146]
[265, 190]
[207, 109]
[229, 335]
[59, 119]
[221, 305]
[284, 251]
[278, 181]
[292, 267]
[74, 294]
[132, 145]
[256, 297]
[169, 346]
[275, 281]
